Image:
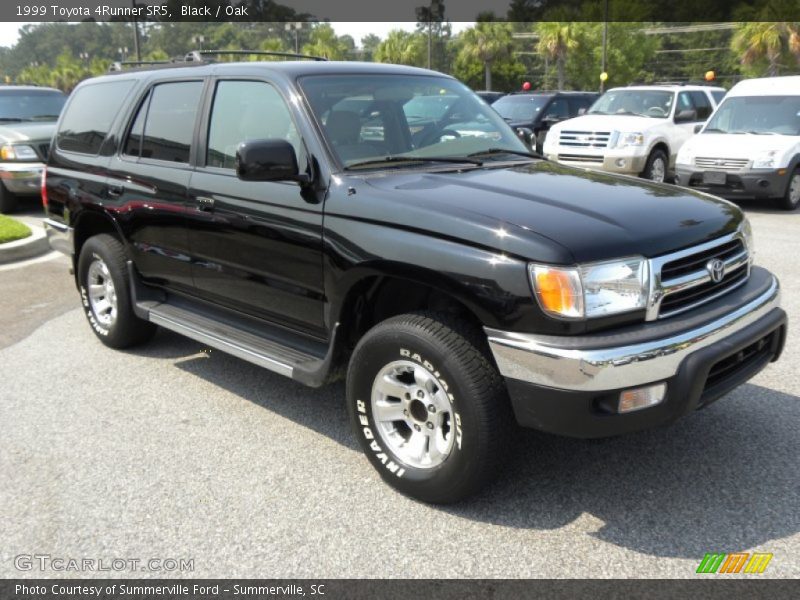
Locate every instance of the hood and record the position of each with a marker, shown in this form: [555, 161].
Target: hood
[543, 211]
[721, 145]
[610, 123]
[27, 132]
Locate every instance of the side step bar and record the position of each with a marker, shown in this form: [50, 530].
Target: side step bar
[270, 352]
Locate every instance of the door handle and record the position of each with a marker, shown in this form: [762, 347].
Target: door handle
[205, 203]
[114, 191]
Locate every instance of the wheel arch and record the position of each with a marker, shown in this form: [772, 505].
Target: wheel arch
[88, 223]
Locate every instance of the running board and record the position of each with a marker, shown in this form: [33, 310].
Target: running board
[270, 352]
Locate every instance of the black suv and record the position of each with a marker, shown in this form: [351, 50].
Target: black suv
[290, 214]
[27, 122]
[538, 111]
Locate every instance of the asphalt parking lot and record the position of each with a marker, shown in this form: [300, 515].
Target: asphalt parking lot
[175, 451]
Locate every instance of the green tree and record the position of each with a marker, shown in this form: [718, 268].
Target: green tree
[556, 40]
[369, 44]
[324, 42]
[401, 48]
[766, 43]
[488, 43]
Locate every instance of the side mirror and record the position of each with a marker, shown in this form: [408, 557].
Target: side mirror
[525, 134]
[698, 127]
[686, 116]
[268, 160]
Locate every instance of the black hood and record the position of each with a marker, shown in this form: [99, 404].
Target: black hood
[544, 211]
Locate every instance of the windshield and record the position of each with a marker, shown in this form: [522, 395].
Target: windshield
[644, 103]
[766, 115]
[30, 105]
[405, 116]
[520, 108]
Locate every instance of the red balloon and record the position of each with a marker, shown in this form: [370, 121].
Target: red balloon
[526, 86]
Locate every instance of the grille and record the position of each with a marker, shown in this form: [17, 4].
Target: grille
[725, 164]
[43, 150]
[581, 158]
[585, 139]
[686, 283]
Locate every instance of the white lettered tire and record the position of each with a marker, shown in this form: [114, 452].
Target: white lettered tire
[428, 406]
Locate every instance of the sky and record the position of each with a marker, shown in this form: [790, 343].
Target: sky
[9, 31]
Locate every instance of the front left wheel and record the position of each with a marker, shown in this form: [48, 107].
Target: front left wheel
[791, 198]
[106, 296]
[656, 167]
[428, 406]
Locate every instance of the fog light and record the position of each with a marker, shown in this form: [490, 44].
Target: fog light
[639, 398]
[620, 162]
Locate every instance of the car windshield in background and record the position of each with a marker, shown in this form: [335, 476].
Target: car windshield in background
[761, 115]
[643, 103]
[367, 118]
[30, 105]
[521, 107]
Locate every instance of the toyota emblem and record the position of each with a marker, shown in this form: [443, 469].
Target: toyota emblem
[716, 269]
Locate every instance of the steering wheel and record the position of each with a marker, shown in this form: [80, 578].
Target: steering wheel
[436, 136]
[656, 111]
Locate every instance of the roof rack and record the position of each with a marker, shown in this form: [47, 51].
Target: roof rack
[677, 83]
[198, 55]
[121, 64]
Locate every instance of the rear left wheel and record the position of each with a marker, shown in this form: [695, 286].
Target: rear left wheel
[791, 198]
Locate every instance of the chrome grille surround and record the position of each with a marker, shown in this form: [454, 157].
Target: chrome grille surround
[584, 139]
[737, 263]
[581, 158]
[722, 164]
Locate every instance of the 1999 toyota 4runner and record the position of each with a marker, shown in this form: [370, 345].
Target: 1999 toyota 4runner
[293, 214]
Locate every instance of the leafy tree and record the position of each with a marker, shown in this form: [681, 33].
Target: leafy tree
[401, 48]
[767, 44]
[324, 42]
[436, 29]
[488, 43]
[556, 40]
[369, 44]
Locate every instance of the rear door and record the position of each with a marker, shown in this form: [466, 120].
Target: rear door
[257, 246]
[149, 177]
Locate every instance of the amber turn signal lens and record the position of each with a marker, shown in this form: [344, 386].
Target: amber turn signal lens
[558, 290]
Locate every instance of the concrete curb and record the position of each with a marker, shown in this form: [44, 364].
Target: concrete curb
[34, 245]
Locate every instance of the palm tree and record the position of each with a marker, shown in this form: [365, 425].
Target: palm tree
[768, 40]
[324, 42]
[556, 39]
[487, 42]
[400, 48]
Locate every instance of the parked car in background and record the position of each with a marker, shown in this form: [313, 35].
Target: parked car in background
[490, 97]
[27, 123]
[539, 111]
[750, 148]
[637, 130]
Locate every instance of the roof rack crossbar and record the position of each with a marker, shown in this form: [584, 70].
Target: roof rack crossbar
[197, 55]
[121, 64]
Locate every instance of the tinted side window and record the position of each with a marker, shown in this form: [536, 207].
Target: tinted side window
[247, 110]
[702, 104]
[718, 95]
[684, 102]
[558, 108]
[133, 144]
[89, 116]
[169, 126]
[578, 102]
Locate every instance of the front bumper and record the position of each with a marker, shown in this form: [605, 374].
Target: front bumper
[602, 159]
[566, 384]
[743, 184]
[22, 178]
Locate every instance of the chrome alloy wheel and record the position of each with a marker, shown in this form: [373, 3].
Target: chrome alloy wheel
[794, 189]
[102, 294]
[413, 414]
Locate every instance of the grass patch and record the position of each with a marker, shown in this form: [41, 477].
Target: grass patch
[11, 230]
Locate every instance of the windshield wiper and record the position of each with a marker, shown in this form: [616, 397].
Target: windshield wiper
[407, 159]
[714, 130]
[491, 151]
[42, 117]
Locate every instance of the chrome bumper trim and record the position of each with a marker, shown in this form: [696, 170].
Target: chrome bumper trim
[541, 361]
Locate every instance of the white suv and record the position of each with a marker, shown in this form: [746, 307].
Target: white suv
[636, 130]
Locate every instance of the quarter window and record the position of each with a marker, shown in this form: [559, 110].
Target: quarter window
[89, 116]
[247, 110]
[163, 128]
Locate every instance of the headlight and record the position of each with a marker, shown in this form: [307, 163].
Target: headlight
[765, 160]
[9, 152]
[634, 138]
[593, 289]
[685, 156]
[747, 234]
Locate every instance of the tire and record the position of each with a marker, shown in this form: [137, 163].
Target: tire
[656, 167]
[791, 198]
[460, 411]
[8, 201]
[105, 294]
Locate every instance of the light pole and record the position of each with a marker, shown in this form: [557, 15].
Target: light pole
[605, 45]
[198, 40]
[296, 27]
[136, 49]
[123, 53]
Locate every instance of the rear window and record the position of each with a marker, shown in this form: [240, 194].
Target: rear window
[89, 115]
[30, 105]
